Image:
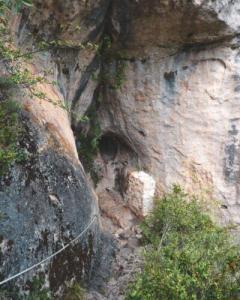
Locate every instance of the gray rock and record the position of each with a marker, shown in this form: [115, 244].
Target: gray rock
[33, 226]
[169, 101]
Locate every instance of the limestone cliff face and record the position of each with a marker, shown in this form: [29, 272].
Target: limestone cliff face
[178, 104]
[164, 89]
[46, 202]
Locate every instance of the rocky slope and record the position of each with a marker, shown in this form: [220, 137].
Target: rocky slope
[152, 90]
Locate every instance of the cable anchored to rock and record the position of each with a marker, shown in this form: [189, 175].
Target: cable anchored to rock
[52, 255]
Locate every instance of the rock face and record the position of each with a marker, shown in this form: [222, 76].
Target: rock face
[177, 106]
[159, 81]
[46, 201]
[46, 204]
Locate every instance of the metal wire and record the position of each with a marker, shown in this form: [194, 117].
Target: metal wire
[52, 255]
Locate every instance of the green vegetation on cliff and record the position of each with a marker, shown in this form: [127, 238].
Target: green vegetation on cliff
[14, 4]
[188, 256]
[10, 132]
[38, 291]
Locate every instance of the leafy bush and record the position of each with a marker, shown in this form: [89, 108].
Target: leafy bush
[10, 132]
[12, 5]
[190, 257]
[89, 140]
[75, 292]
[38, 291]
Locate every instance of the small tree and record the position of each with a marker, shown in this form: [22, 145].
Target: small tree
[191, 258]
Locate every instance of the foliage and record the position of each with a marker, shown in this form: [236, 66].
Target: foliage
[10, 132]
[113, 66]
[68, 44]
[190, 257]
[14, 4]
[15, 60]
[75, 292]
[37, 290]
[9, 294]
[119, 76]
[15, 74]
[88, 144]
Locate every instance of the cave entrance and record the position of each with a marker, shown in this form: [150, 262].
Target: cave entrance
[112, 147]
[108, 147]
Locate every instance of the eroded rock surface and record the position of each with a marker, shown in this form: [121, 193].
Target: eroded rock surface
[159, 82]
[46, 201]
[178, 103]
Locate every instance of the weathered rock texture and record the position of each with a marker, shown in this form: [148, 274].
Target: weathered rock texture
[140, 193]
[46, 201]
[178, 105]
[164, 91]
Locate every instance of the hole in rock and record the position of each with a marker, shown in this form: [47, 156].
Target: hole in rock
[119, 158]
[112, 147]
[108, 147]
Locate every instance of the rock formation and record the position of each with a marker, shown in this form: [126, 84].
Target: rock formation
[46, 201]
[177, 107]
[150, 86]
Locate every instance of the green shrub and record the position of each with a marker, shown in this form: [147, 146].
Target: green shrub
[89, 142]
[189, 258]
[75, 292]
[37, 290]
[10, 132]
